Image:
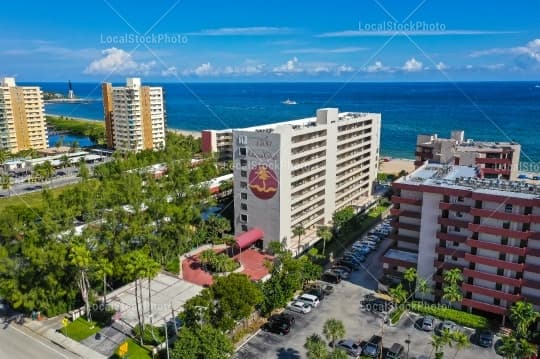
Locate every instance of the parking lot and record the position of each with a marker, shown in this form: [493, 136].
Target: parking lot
[345, 304]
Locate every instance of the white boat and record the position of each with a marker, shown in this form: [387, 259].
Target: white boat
[289, 102]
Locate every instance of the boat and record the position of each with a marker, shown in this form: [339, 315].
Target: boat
[289, 102]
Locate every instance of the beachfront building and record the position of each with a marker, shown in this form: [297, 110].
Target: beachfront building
[218, 142]
[134, 116]
[446, 217]
[298, 173]
[494, 159]
[22, 117]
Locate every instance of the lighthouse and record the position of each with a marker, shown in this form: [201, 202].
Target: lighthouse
[71, 94]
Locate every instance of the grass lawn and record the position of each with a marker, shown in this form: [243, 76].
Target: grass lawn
[80, 329]
[135, 351]
[33, 199]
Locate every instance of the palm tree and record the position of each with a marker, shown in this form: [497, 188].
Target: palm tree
[452, 293]
[525, 349]
[453, 276]
[64, 161]
[207, 257]
[410, 276]
[47, 170]
[422, 287]
[398, 294]
[316, 347]
[522, 315]
[325, 233]
[104, 269]
[80, 257]
[461, 341]
[338, 354]
[299, 231]
[6, 183]
[509, 347]
[333, 330]
[150, 269]
[438, 342]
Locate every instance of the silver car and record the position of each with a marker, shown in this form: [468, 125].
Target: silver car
[299, 307]
[350, 347]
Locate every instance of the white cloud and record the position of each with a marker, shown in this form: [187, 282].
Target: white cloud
[531, 50]
[242, 31]
[344, 69]
[120, 62]
[288, 67]
[339, 50]
[204, 70]
[387, 33]
[412, 65]
[377, 67]
[441, 66]
[170, 72]
[207, 69]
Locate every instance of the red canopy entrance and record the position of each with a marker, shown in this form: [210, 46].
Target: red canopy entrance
[246, 239]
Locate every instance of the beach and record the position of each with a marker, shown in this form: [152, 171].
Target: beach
[396, 165]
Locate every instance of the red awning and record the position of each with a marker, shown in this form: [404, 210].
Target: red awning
[248, 238]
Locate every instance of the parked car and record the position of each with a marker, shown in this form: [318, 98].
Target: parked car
[428, 323]
[446, 325]
[342, 273]
[351, 258]
[359, 257]
[283, 317]
[372, 347]
[395, 351]
[347, 269]
[299, 307]
[483, 338]
[318, 292]
[346, 263]
[277, 327]
[370, 244]
[350, 347]
[331, 278]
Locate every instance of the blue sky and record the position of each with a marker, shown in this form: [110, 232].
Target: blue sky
[270, 40]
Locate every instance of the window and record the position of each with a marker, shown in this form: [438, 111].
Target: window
[459, 214]
[244, 228]
[454, 258]
[243, 151]
[242, 140]
[460, 199]
[243, 217]
[243, 173]
[243, 163]
[457, 229]
[243, 195]
[455, 244]
[506, 225]
[508, 208]
[243, 184]
[243, 206]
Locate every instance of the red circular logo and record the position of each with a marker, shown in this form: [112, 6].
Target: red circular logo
[263, 182]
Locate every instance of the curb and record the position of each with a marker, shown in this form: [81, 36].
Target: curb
[247, 340]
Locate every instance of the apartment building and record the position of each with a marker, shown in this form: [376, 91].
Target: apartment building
[448, 217]
[22, 117]
[494, 159]
[298, 173]
[134, 116]
[218, 142]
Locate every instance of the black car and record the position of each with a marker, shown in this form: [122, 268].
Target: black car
[373, 347]
[330, 278]
[484, 338]
[277, 327]
[318, 292]
[347, 269]
[346, 263]
[283, 318]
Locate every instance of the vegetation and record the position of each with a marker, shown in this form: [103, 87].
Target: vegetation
[452, 285]
[457, 339]
[398, 294]
[523, 315]
[517, 345]
[317, 348]
[218, 263]
[333, 330]
[396, 314]
[205, 342]
[135, 351]
[95, 130]
[81, 329]
[445, 313]
[325, 233]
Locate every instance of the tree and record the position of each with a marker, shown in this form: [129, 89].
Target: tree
[410, 276]
[64, 161]
[217, 227]
[207, 257]
[205, 342]
[298, 231]
[81, 258]
[522, 315]
[341, 217]
[333, 330]
[460, 340]
[509, 347]
[46, 170]
[84, 173]
[316, 347]
[451, 289]
[326, 235]
[104, 269]
[6, 183]
[453, 276]
[398, 294]
[525, 349]
[422, 287]
[438, 342]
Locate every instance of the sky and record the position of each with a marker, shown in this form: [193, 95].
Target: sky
[215, 41]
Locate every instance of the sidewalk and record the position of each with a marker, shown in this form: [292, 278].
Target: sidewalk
[47, 329]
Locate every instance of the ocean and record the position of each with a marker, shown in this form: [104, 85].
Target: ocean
[498, 111]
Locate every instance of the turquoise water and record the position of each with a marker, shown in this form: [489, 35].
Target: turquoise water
[498, 111]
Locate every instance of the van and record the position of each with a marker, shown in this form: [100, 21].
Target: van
[309, 299]
[395, 351]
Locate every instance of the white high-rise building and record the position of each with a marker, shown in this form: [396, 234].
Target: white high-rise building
[298, 173]
[134, 116]
[22, 117]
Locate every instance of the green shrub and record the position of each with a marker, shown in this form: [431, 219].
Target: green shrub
[445, 313]
[152, 335]
[396, 314]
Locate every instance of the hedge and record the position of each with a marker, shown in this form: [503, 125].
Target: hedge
[445, 313]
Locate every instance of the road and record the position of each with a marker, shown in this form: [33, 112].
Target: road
[17, 342]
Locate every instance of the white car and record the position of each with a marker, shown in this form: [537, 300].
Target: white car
[299, 307]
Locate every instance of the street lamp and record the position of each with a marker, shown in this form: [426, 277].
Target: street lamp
[408, 341]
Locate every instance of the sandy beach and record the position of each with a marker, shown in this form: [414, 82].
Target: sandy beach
[396, 165]
[196, 134]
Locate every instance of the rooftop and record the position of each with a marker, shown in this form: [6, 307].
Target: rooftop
[464, 177]
[402, 255]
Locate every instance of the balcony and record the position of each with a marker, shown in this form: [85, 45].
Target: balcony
[497, 247]
[533, 252]
[446, 266]
[511, 298]
[408, 226]
[492, 277]
[529, 283]
[498, 231]
[504, 161]
[402, 238]
[488, 213]
[450, 237]
[497, 263]
[453, 222]
[426, 155]
[450, 252]
[490, 308]
[404, 213]
[404, 200]
[454, 207]
[532, 268]
[495, 171]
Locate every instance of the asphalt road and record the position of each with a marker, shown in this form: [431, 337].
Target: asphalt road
[17, 342]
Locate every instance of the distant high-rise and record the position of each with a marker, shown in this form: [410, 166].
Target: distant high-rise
[134, 116]
[22, 117]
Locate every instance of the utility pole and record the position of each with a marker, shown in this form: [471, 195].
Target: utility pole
[408, 342]
[167, 341]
